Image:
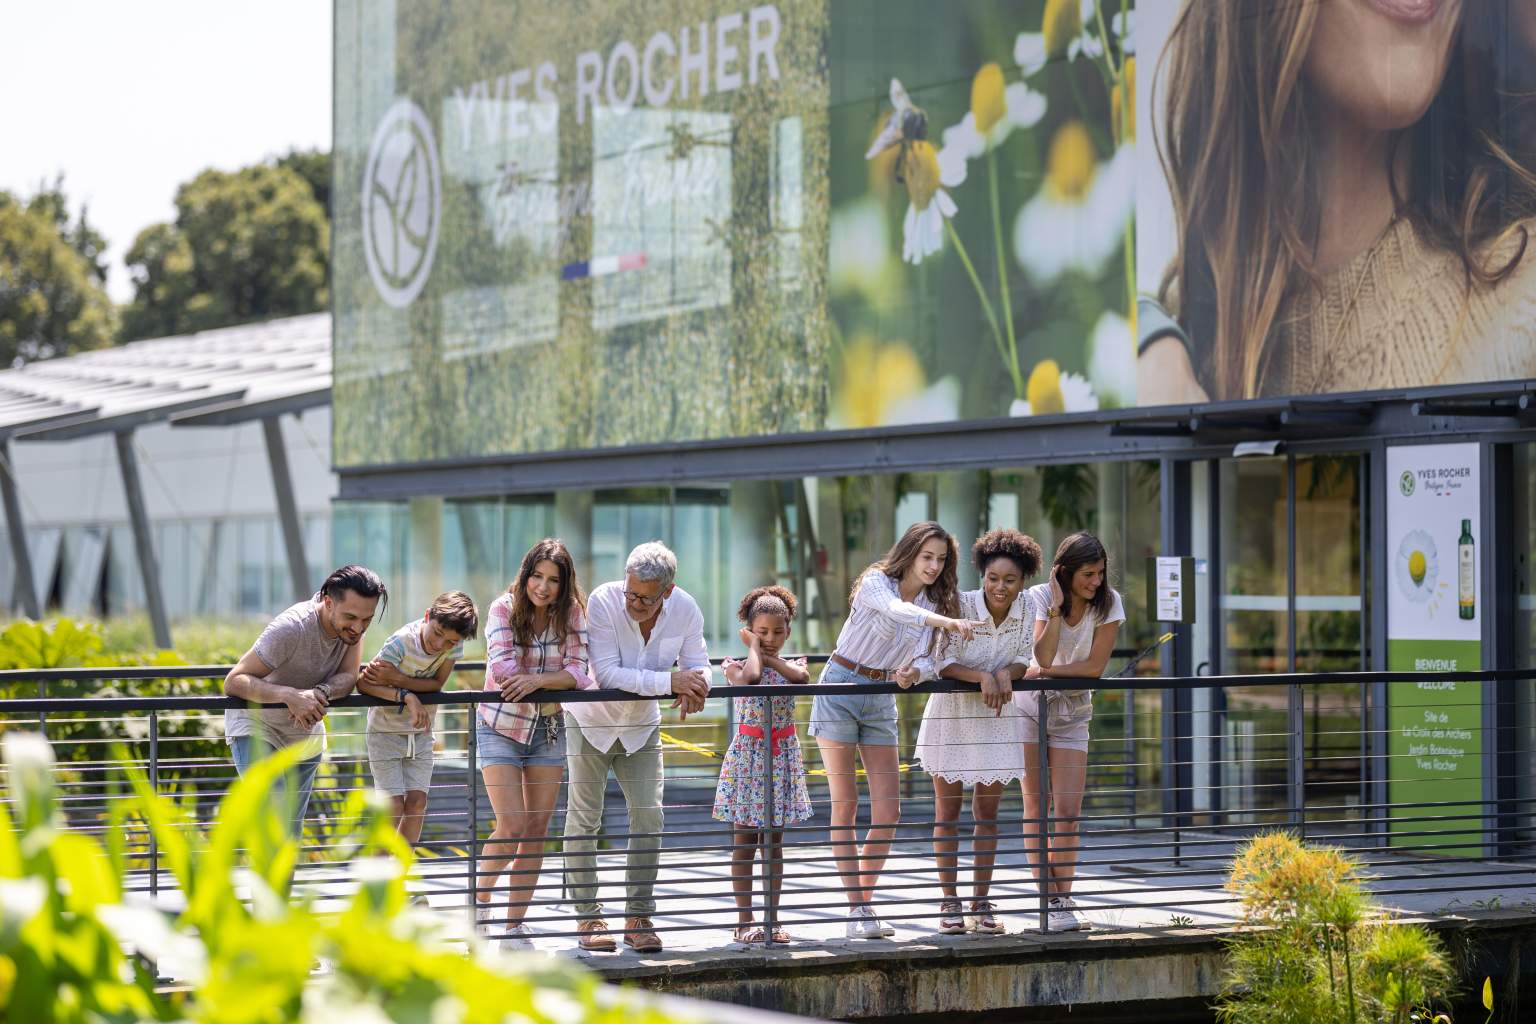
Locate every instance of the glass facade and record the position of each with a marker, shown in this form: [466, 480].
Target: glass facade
[812, 534]
[219, 568]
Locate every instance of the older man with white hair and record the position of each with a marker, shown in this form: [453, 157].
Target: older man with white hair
[645, 635]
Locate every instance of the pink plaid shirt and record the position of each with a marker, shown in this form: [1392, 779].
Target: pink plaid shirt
[505, 658]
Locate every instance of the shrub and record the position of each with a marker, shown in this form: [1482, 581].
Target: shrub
[65, 923]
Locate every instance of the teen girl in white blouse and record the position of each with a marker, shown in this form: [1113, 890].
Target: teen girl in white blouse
[894, 606]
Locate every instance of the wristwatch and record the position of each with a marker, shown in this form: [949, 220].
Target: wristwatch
[1051, 613]
[400, 692]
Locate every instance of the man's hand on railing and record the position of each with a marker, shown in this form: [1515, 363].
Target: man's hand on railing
[909, 675]
[306, 706]
[690, 688]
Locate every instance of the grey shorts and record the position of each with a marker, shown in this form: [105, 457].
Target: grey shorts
[401, 762]
[1067, 714]
[545, 748]
[853, 717]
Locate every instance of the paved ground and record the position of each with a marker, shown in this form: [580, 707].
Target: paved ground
[1125, 889]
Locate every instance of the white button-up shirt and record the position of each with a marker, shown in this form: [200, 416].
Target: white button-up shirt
[622, 659]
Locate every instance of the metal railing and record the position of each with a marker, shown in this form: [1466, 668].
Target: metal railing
[1170, 792]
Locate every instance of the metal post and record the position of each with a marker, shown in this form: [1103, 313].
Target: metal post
[154, 786]
[138, 517]
[471, 871]
[1044, 766]
[769, 845]
[287, 507]
[25, 590]
[1296, 724]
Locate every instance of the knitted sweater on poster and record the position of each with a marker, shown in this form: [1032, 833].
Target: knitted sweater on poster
[1401, 315]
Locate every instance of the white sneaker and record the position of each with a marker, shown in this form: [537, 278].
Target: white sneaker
[485, 915]
[881, 928]
[862, 924]
[421, 902]
[1061, 917]
[517, 937]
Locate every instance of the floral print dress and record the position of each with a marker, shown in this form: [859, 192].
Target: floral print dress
[740, 796]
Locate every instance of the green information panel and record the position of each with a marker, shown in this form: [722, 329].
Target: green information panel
[1435, 748]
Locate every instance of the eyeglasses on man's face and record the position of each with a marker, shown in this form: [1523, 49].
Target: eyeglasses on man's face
[643, 600]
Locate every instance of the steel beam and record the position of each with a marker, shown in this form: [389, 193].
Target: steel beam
[143, 542]
[287, 507]
[25, 591]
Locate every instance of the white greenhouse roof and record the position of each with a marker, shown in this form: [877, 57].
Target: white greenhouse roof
[210, 378]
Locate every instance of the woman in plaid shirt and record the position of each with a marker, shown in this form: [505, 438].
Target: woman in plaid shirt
[536, 639]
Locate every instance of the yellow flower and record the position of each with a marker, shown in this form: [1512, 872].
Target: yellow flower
[1122, 104]
[875, 377]
[920, 170]
[1063, 22]
[1043, 392]
[1070, 165]
[987, 103]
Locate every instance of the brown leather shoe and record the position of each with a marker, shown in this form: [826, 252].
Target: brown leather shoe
[595, 937]
[640, 935]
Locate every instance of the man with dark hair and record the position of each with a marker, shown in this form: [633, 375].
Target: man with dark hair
[306, 657]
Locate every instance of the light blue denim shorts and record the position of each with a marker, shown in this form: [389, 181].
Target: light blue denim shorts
[545, 748]
[853, 717]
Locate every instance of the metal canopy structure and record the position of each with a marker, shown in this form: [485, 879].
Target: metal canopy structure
[215, 378]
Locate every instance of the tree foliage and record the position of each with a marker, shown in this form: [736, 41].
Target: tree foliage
[246, 245]
[52, 277]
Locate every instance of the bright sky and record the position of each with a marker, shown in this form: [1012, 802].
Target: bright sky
[129, 100]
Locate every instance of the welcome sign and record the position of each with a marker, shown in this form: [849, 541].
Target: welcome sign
[1434, 624]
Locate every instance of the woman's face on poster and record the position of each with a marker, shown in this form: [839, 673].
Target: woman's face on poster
[1377, 64]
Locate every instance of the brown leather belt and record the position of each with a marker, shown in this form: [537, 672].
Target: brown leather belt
[879, 675]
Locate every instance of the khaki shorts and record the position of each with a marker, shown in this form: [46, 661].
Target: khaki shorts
[401, 762]
[1067, 715]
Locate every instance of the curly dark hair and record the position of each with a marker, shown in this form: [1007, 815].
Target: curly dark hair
[770, 600]
[1019, 548]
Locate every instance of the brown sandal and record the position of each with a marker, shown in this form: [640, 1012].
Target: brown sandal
[748, 935]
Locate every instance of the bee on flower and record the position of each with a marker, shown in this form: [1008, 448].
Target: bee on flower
[918, 167]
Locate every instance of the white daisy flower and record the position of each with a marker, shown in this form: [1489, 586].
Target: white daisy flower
[1023, 108]
[1051, 391]
[1077, 220]
[926, 176]
[1112, 361]
[1064, 33]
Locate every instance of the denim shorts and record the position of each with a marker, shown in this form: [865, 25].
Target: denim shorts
[544, 749]
[853, 717]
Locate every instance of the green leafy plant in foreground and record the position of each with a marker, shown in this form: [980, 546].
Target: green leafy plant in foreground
[65, 923]
[1315, 947]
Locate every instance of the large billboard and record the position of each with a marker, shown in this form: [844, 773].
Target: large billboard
[1340, 197]
[607, 224]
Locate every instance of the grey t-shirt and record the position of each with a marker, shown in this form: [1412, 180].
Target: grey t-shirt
[301, 656]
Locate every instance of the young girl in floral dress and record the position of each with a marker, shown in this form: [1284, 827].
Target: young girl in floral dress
[765, 726]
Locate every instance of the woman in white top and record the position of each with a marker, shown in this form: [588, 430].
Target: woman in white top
[894, 607]
[973, 739]
[1077, 615]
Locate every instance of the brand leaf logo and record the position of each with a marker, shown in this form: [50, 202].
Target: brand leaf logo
[1405, 483]
[402, 204]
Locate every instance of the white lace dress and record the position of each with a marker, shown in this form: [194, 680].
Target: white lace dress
[961, 739]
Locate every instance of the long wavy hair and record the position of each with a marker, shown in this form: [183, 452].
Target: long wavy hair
[1075, 551]
[1241, 161]
[944, 592]
[547, 550]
